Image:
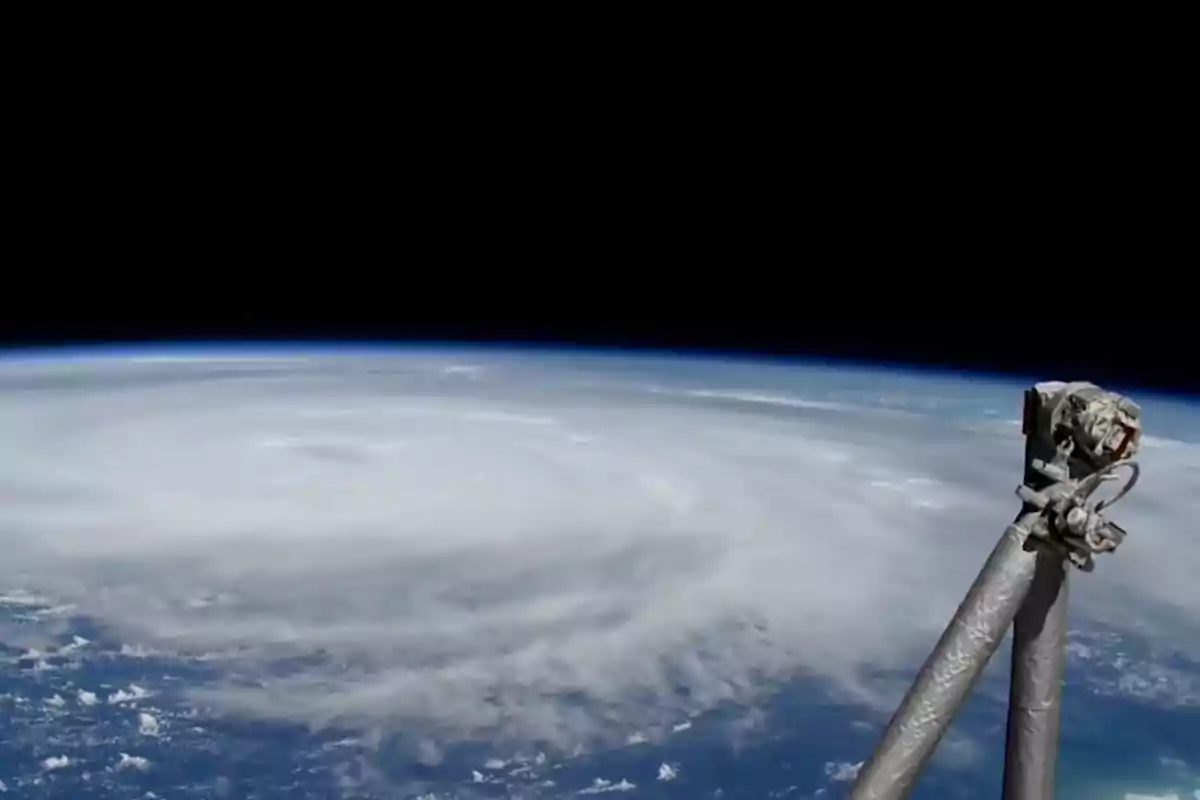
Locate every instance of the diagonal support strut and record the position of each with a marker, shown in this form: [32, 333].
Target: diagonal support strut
[1077, 436]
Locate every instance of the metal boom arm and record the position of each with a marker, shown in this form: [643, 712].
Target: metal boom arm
[1077, 435]
[951, 670]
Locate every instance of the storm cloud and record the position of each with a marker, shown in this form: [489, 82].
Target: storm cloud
[538, 547]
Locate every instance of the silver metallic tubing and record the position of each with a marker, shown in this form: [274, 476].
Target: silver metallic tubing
[952, 669]
[1038, 666]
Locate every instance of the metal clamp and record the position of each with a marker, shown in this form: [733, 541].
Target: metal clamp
[1070, 522]
[1083, 435]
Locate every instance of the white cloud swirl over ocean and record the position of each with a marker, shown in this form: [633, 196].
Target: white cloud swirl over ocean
[538, 547]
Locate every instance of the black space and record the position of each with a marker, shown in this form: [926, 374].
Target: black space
[670, 188]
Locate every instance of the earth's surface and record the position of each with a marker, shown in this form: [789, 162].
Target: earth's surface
[483, 573]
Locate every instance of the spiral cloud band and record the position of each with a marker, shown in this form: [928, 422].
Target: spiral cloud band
[551, 548]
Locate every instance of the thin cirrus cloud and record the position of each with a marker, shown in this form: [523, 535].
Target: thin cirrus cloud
[528, 548]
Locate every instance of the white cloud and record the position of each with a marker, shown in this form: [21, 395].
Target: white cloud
[476, 566]
[601, 786]
[773, 400]
[147, 724]
[87, 698]
[839, 771]
[132, 762]
[21, 598]
[55, 762]
[666, 772]
[132, 694]
[77, 643]
[471, 370]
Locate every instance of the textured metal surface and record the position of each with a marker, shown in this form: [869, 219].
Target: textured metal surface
[1038, 665]
[952, 670]
[1076, 435]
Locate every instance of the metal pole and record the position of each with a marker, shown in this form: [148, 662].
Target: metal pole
[1039, 650]
[952, 669]
[1077, 435]
[1038, 664]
